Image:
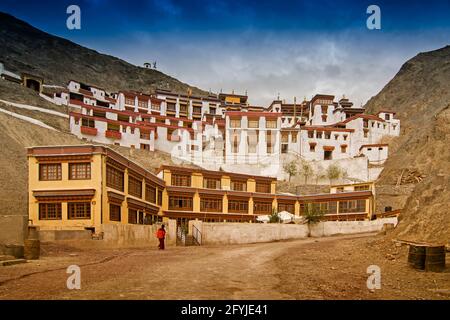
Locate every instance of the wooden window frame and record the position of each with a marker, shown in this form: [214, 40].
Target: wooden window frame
[211, 204]
[56, 213]
[134, 186]
[235, 183]
[263, 187]
[150, 193]
[211, 183]
[115, 216]
[132, 216]
[44, 174]
[262, 207]
[79, 210]
[113, 175]
[237, 206]
[181, 203]
[181, 180]
[76, 174]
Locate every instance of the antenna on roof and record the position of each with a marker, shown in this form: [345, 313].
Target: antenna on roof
[220, 90]
[246, 92]
[232, 92]
[278, 96]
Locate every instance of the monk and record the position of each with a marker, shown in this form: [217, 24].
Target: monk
[161, 235]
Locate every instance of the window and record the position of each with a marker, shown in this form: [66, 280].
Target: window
[294, 137]
[324, 109]
[336, 136]
[310, 134]
[362, 187]
[235, 123]
[79, 171]
[50, 171]
[114, 178]
[171, 106]
[284, 206]
[132, 216]
[237, 206]
[343, 148]
[339, 189]
[352, 206]
[79, 210]
[183, 108]
[211, 183]
[284, 137]
[114, 212]
[159, 198]
[284, 148]
[324, 118]
[50, 211]
[327, 135]
[269, 141]
[180, 203]
[253, 123]
[129, 101]
[263, 207]
[145, 135]
[312, 147]
[211, 204]
[197, 110]
[142, 104]
[271, 124]
[181, 180]
[212, 110]
[156, 107]
[263, 187]
[135, 186]
[327, 155]
[150, 193]
[387, 117]
[87, 123]
[238, 185]
[345, 137]
[319, 134]
[366, 132]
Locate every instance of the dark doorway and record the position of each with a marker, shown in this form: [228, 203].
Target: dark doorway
[328, 155]
[33, 84]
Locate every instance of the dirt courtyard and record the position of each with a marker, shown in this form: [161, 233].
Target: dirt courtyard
[323, 268]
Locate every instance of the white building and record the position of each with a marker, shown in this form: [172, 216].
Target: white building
[223, 130]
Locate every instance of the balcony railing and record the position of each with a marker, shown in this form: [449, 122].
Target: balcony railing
[88, 130]
[113, 134]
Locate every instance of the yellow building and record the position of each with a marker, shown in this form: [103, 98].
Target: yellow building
[218, 196]
[86, 186]
[82, 187]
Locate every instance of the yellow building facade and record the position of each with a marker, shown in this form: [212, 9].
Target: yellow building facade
[83, 187]
[86, 186]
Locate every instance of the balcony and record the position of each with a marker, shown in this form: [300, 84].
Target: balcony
[113, 134]
[89, 131]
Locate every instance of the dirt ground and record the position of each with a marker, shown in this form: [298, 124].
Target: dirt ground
[325, 268]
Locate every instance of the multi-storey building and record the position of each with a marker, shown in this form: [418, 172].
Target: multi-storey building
[225, 131]
[86, 186]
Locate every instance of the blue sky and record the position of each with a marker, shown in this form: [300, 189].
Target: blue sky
[295, 48]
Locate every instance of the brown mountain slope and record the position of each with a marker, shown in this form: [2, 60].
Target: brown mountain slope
[417, 173]
[24, 48]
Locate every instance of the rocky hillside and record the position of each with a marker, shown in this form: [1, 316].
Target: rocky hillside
[24, 48]
[417, 173]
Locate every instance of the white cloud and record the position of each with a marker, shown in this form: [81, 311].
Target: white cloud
[355, 64]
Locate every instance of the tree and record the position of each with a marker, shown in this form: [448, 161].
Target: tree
[312, 215]
[274, 218]
[306, 170]
[291, 169]
[320, 174]
[333, 172]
